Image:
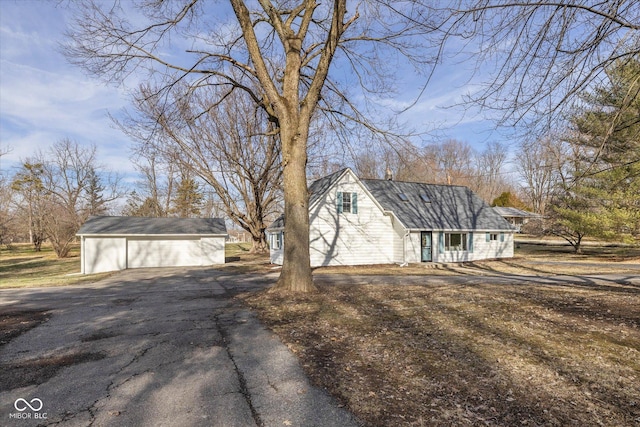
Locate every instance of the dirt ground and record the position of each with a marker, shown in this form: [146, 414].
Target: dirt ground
[491, 354]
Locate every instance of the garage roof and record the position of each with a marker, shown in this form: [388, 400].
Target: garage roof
[129, 225]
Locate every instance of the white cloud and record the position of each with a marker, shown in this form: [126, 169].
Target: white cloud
[44, 98]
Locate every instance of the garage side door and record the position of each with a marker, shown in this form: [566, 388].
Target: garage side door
[178, 252]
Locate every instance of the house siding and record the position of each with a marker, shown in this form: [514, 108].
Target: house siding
[387, 229]
[399, 241]
[276, 255]
[413, 247]
[492, 249]
[365, 237]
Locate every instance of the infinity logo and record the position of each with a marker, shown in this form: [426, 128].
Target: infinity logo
[25, 404]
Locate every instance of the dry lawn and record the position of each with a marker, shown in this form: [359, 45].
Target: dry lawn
[21, 266]
[496, 355]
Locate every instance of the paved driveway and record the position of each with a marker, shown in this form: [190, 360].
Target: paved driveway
[166, 347]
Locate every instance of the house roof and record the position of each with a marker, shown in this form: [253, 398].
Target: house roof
[322, 185]
[435, 207]
[277, 223]
[128, 225]
[425, 206]
[514, 212]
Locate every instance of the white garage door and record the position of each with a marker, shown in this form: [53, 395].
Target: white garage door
[178, 252]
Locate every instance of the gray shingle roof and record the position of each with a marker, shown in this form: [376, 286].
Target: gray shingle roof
[450, 207]
[122, 225]
[320, 186]
[514, 212]
[277, 223]
[316, 190]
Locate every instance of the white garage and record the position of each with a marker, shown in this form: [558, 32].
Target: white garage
[110, 243]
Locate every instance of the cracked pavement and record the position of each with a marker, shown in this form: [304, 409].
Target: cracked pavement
[156, 347]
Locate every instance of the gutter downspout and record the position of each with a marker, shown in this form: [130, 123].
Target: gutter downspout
[404, 249]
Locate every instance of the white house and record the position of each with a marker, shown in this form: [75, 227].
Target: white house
[368, 221]
[110, 243]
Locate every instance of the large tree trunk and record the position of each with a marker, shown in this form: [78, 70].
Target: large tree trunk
[259, 244]
[296, 267]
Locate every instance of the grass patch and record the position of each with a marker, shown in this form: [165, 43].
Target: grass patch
[14, 323]
[236, 250]
[39, 371]
[21, 266]
[240, 260]
[498, 355]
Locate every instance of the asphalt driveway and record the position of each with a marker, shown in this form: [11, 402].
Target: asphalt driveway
[153, 348]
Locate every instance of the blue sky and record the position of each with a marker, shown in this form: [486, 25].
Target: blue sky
[44, 99]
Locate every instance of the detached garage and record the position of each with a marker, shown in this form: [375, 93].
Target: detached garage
[110, 243]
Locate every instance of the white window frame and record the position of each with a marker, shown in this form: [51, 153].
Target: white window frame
[277, 240]
[346, 202]
[462, 247]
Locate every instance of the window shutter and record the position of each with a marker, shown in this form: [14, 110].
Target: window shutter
[471, 242]
[354, 203]
[502, 237]
[488, 237]
[441, 242]
[339, 202]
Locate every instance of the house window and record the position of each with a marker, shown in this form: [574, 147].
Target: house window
[455, 241]
[276, 240]
[492, 237]
[347, 202]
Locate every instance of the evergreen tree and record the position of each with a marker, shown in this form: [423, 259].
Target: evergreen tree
[189, 199]
[95, 203]
[603, 198]
[508, 199]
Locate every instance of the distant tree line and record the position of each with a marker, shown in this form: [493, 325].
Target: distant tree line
[52, 194]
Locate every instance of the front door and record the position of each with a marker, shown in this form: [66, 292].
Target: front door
[425, 239]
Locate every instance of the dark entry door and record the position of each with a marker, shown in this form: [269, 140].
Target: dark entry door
[425, 239]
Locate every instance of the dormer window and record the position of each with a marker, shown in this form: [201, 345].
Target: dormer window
[425, 198]
[403, 197]
[347, 202]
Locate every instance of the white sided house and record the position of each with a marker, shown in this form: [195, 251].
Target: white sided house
[368, 221]
[111, 243]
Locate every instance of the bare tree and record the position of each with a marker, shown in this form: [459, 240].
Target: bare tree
[6, 215]
[278, 54]
[72, 190]
[28, 183]
[540, 165]
[155, 191]
[490, 168]
[233, 148]
[542, 55]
